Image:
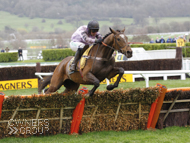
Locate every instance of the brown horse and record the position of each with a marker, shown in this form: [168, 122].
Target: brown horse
[99, 65]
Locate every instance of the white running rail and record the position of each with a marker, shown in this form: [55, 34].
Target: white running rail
[144, 74]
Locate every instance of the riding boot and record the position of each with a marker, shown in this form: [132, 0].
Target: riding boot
[76, 58]
[85, 48]
[78, 55]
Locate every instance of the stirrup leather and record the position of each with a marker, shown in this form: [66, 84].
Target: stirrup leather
[73, 67]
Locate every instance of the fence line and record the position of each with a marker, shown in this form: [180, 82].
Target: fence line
[144, 74]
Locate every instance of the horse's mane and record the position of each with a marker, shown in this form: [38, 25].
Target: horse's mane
[109, 34]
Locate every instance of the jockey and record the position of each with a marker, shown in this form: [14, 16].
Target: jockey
[84, 35]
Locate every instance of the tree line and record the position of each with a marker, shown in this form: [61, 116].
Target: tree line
[73, 11]
[100, 9]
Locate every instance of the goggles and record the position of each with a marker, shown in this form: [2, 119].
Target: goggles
[94, 30]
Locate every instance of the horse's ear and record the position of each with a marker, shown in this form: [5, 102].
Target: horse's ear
[123, 30]
[112, 31]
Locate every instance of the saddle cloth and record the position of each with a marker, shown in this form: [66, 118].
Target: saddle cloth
[82, 61]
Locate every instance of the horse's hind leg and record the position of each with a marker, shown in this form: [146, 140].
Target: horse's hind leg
[70, 86]
[114, 72]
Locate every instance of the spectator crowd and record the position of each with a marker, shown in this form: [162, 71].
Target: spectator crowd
[169, 40]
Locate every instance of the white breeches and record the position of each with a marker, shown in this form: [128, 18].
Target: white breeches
[75, 45]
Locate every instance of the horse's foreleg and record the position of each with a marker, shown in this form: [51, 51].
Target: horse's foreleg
[114, 72]
[91, 79]
[91, 92]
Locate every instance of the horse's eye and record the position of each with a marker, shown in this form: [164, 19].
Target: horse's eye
[118, 39]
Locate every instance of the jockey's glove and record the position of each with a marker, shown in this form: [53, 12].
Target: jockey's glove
[98, 40]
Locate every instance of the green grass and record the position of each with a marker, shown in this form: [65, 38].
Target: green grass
[174, 19]
[19, 23]
[167, 135]
[137, 84]
[167, 20]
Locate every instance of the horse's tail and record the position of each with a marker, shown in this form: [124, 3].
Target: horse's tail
[44, 83]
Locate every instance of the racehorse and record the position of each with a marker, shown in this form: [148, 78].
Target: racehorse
[99, 65]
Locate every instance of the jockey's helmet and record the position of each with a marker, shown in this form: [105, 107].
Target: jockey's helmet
[93, 25]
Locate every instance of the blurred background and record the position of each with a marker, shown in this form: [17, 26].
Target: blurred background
[35, 25]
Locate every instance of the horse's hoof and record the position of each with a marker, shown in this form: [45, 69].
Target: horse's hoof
[86, 96]
[110, 87]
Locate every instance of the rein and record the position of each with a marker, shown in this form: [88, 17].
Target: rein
[108, 46]
[95, 57]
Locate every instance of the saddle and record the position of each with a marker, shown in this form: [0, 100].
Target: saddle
[82, 62]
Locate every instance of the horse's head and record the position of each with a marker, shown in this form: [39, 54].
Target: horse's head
[120, 43]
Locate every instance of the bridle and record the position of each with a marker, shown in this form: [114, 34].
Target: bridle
[111, 47]
[115, 40]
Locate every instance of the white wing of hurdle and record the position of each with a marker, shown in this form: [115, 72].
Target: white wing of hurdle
[144, 74]
[40, 74]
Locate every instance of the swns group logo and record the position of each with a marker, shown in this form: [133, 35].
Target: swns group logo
[24, 126]
[19, 84]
